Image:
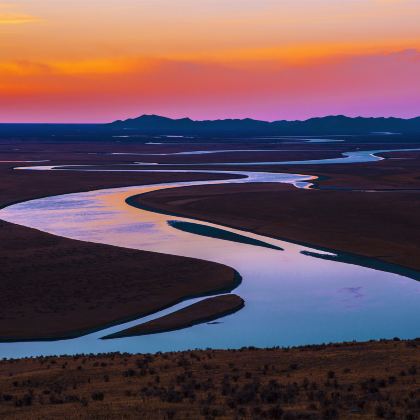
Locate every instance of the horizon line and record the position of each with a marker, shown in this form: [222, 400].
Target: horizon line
[209, 120]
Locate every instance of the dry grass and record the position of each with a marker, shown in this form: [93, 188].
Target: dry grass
[352, 380]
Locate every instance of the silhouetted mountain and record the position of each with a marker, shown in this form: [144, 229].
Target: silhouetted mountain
[160, 125]
[154, 124]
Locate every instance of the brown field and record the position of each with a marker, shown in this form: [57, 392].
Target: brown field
[346, 381]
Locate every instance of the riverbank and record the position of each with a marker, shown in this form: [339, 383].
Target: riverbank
[351, 380]
[378, 225]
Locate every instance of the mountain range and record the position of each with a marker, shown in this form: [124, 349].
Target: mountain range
[340, 124]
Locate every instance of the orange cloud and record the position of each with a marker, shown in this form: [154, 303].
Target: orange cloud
[17, 19]
[100, 66]
[103, 66]
[10, 16]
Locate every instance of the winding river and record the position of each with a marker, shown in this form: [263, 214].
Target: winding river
[358, 156]
[294, 294]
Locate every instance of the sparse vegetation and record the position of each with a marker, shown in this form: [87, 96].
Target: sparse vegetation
[350, 380]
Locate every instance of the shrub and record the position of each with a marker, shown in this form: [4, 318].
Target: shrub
[97, 396]
[129, 373]
[380, 411]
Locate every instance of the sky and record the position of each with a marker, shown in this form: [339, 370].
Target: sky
[97, 61]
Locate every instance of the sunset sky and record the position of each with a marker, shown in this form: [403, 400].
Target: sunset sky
[93, 61]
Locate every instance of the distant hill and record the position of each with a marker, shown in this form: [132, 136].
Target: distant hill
[155, 124]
